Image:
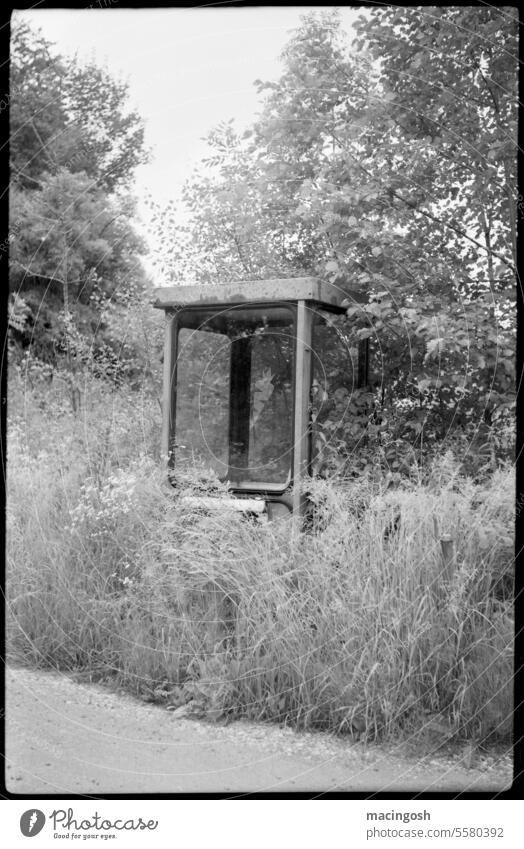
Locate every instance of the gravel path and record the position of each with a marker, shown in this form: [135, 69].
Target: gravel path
[64, 737]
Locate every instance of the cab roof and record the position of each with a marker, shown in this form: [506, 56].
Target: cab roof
[277, 290]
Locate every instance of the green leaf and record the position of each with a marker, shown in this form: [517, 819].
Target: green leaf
[365, 333]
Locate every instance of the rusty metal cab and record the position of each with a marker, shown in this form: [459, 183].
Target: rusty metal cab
[240, 363]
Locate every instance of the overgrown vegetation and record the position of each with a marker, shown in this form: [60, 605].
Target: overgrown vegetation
[387, 166]
[397, 187]
[350, 627]
[73, 242]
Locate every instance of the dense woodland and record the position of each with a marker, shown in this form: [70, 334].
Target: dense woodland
[386, 166]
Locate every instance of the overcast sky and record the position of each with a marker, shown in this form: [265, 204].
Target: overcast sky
[187, 69]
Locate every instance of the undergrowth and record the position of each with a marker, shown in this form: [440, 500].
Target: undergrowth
[350, 627]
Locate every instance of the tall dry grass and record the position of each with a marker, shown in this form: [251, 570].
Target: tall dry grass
[349, 627]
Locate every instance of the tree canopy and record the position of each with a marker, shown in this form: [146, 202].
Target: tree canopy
[69, 115]
[386, 166]
[74, 148]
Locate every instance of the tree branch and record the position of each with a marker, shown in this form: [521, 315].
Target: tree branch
[33, 273]
[458, 230]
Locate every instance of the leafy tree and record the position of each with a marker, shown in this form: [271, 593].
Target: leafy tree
[454, 130]
[391, 183]
[73, 245]
[36, 108]
[64, 114]
[70, 232]
[452, 78]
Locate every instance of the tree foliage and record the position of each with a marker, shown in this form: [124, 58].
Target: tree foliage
[73, 243]
[68, 115]
[386, 166]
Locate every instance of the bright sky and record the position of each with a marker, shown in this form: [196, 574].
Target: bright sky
[187, 69]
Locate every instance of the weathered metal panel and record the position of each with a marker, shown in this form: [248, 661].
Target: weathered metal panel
[302, 399]
[248, 505]
[284, 289]
[167, 386]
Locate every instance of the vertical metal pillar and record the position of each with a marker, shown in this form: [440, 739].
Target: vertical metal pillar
[302, 437]
[168, 377]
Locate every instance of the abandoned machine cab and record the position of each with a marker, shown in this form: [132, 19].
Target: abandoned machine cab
[246, 369]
